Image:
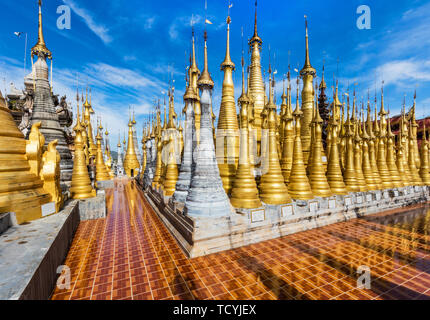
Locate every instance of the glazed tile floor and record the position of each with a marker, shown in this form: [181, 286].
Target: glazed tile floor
[131, 255]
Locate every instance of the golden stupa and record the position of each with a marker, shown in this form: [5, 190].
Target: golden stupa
[298, 187]
[349, 172]
[317, 177]
[158, 145]
[131, 164]
[244, 193]
[365, 161]
[372, 148]
[81, 184]
[391, 160]
[357, 142]
[272, 187]
[227, 148]
[171, 171]
[400, 162]
[21, 191]
[102, 173]
[307, 74]
[92, 147]
[194, 76]
[411, 160]
[414, 127]
[424, 169]
[288, 134]
[334, 172]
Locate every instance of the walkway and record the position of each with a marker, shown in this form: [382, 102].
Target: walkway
[131, 255]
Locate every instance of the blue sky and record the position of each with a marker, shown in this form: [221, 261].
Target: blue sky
[129, 49]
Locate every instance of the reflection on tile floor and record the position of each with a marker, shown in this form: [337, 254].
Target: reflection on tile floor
[131, 255]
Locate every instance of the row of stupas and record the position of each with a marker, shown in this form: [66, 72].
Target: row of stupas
[259, 156]
[38, 174]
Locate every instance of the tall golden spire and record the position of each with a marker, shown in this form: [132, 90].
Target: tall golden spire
[402, 163]
[102, 173]
[372, 147]
[365, 161]
[255, 37]
[87, 116]
[81, 184]
[272, 187]
[358, 157]
[298, 187]
[317, 177]
[414, 126]
[334, 172]
[194, 75]
[391, 161]
[40, 46]
[205, 78]
[131, 164]
[384, 173]
[307, 74]
[171, 168]
[172, 114]
[288, 136]
[227, 152]
[424, 169]
[349, 173]
[244, 193]
[256, 85]
[411, 159]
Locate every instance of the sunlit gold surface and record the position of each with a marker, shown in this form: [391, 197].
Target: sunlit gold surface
[244, 193]
[272, 187]
[81, 184]
[365, 163]
[358, 160]
[334, 172]
[307, 74]
[424, 153]
[287, 136]
[131, 164]
[256, 85]
[101, 172]
[227, 150]
[20, 190]
[391, 161]
[317, 177]
[298, 187]
[349, 173]
[50, 174]
[40, 46]
[92, 148]
[411, 160]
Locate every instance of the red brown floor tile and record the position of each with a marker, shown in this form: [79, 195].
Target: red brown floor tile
[131, 255]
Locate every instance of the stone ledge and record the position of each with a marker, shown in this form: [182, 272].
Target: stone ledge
[7, 220]
[204, 235]
[30, 254]
[93, 208]
[107, 184]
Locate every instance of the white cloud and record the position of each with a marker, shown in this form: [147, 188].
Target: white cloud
[181, 22]
[400, 71]
[149, 22]
[100, 30]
